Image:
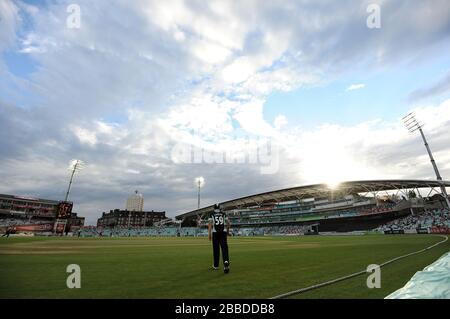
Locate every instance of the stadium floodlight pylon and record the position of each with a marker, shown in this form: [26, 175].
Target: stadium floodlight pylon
[413, 125]
[200, 181]
[75, 165]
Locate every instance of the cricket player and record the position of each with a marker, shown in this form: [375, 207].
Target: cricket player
[8, 231]
[216, 232]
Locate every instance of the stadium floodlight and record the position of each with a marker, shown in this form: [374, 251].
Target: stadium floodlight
[413, 125]
[75, 165]
[199, 181]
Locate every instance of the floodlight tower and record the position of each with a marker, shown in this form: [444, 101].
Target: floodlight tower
[199, 181]
[413, 125]
[75, 165]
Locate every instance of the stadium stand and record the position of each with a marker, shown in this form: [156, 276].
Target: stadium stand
[430, 221]
[435, 221]
[91, 231]
[7, 222]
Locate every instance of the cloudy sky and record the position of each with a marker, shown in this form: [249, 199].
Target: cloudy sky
[275, 93]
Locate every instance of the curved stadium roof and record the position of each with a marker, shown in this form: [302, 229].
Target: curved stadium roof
[320, 191]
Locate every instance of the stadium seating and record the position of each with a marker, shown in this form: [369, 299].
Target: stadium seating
[297, 212]
[425, 220]
[189, 231]
[6, 222]
[267, 225]
[272, 231]
[139, 232]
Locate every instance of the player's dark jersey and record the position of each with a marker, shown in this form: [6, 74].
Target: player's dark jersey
[218, 221]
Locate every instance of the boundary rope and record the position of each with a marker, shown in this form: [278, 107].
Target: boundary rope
[330, 282]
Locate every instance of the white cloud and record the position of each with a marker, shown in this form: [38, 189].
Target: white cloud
[85, 136]
[132, 171]
[250, 118]
[356, 87]
[208, 52]
[280, 121]
[238, 71]
[200, 73]
[9, 22]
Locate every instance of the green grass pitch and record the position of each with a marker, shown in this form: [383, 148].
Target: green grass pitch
[261, 267]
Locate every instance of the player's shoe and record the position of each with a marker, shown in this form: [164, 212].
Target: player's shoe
[214, 268]
[226, 267]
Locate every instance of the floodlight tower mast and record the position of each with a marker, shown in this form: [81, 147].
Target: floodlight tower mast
[75, 165]
[198, 196]
[413, 125]
[200, 181]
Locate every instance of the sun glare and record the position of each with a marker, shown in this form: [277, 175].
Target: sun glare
[333, 168]
[333, 184]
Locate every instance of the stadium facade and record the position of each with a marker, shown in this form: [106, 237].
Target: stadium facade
[36, 215]
[350, 206]
[128, 218]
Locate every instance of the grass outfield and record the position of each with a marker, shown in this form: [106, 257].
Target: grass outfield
[261, 267]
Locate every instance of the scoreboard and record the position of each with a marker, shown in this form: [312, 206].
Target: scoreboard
[64, 210]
